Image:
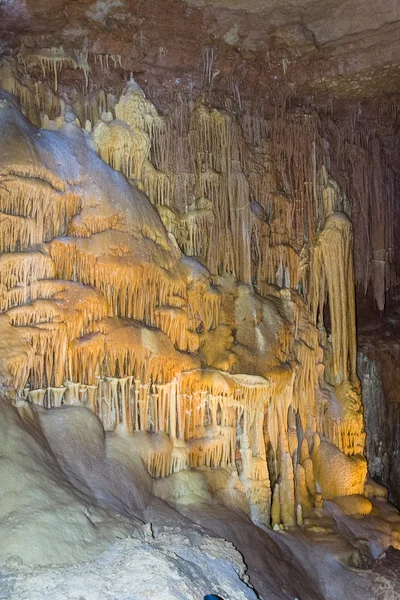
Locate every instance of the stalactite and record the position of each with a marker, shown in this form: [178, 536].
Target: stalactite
[31, 214]
[121, 149]
[240, 219]
[85, 357]
[53, 60]
[36, 97]
[305, 382]
[191, 229]
[333, 255]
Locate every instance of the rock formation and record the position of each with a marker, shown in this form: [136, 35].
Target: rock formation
[186, 265]
[117, 304]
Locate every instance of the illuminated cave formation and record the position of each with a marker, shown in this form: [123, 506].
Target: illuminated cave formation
[109, 312]
[187, 271]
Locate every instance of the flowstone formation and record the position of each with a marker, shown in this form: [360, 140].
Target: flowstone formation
[176, 294]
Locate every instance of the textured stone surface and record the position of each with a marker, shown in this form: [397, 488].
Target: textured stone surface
[379, 373]
[348, 48]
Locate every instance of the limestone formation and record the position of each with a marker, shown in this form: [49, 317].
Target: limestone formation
[199, 232]
[193, 321]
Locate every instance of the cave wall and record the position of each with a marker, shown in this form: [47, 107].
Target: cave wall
[198, 292]
[377, 366]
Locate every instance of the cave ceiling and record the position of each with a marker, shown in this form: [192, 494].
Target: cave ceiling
[347, 48]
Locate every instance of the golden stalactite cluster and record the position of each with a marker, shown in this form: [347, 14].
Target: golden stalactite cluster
[193, 321]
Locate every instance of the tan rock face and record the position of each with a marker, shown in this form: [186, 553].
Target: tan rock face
[354, 505]
[338, 475]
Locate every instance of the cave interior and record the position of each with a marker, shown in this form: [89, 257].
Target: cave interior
[199, 299]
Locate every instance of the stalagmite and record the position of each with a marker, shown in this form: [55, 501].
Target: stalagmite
[346, 475]
[91, 396]
[37, 396]
[307, 464]
[304, 451]
[56, 395]
[318, 501]
[276, 508]
[303, 496]
[72, 392]
[299, 515]
[286, 484]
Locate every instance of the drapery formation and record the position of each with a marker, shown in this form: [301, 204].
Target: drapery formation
[190, 315]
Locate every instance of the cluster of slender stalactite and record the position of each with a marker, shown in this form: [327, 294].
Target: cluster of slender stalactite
[196, 153]
[203, 330]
